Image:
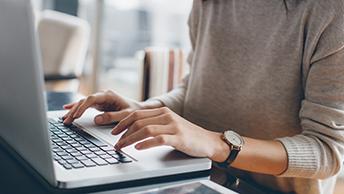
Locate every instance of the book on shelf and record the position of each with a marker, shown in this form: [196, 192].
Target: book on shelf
[162, 70]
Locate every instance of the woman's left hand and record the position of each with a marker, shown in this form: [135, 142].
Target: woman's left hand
[162, 126]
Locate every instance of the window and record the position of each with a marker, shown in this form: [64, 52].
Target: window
[128, 26]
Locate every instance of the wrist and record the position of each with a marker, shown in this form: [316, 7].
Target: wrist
[150, 104]
[220, 149]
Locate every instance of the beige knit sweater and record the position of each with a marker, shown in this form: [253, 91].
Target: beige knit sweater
[271, 69]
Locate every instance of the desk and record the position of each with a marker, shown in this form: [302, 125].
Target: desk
[15, 178]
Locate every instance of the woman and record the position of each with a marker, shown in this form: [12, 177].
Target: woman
[269, 73]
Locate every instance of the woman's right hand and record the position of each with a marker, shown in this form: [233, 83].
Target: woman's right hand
[114, 106]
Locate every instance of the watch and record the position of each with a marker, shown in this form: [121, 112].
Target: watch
[235, 142]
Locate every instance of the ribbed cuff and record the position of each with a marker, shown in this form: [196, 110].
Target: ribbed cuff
[170, 102]
[303, 156]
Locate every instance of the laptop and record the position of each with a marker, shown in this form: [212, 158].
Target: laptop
[78, 156]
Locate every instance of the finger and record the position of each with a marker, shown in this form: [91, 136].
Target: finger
[72, 105]
[144, 133]
[69, 106]
[156, 141]
[75, 105]
[67, 114]
[110, 117]
[140, 124]
[137, 115]
[68, 118]
[88, 102]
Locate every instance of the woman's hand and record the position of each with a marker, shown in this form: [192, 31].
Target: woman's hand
[161, 126]
[114, 106]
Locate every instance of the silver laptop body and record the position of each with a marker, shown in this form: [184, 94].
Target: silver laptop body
[24, 119]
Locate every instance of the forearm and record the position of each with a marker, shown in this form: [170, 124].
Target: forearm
[261, 156]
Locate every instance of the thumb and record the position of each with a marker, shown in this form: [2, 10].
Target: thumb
[110, 117]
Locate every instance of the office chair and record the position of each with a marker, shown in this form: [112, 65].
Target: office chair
[64, 41]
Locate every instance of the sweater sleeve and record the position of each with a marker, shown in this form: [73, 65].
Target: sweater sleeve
[175, 98]
[318, 151]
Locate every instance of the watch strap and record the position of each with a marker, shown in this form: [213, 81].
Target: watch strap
[233, 153]
[231, 157]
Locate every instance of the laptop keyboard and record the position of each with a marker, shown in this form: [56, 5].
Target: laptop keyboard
[73, 148]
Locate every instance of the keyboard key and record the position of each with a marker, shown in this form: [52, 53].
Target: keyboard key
[78, 165]
[67, 157]
[97, 142]
[72, 150]
[72, 161]
[57, 131]
[112, 161]
[64, 129]
[57, 140]
[82, 148]
[56, 149]
[69, 132]
[92, 155]
[94, 148]
[83, 141]
[86, 144]
[61, 143]
[69, 140]
[108, 148]
[82, 158]
[124, 160]
[86, 152]
[112, 152]
[67, 166]
[62, 153]
[76, 145]
[106, 156]
[63, 136]
[115, 156]
[91, 146]
[76, 137]
[99, 161]
[88, 163]
[100, 152]
[76, 154]
[56, 157]
[61, 126]
[58, 124]
[73, 126]
[66, 147]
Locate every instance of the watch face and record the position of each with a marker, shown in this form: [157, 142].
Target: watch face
[234, 138]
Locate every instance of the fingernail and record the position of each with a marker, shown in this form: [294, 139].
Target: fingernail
[113, 132]
[138, 146]
[117, 147]
[99, 119]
